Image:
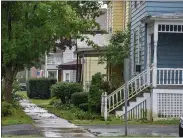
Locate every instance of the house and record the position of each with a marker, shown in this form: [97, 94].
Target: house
[155, 88]
[52, 60]
[118, 13]
[67, 69]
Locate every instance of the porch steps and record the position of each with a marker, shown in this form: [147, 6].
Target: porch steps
[133, 103]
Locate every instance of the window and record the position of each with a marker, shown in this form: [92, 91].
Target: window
[52, 74]
[67, 77]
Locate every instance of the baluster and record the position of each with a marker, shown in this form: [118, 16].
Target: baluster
[163, 77]
[178, 76]
[167, 76]
[159, 76]
[144, 81]
[135, 84]
[174, 76]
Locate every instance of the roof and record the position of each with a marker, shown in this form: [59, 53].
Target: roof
[167, 16]
[100, 39]
[72, 65]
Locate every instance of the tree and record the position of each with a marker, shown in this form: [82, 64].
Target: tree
[29, 29]
[118, 48]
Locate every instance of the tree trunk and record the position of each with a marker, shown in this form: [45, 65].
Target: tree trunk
[9, 79]
[8, 90]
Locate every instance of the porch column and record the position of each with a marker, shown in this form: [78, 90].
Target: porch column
[148, 64]
[155, 54]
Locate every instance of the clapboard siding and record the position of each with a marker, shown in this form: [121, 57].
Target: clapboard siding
[170, 48]
[142, 10]
[118, 8]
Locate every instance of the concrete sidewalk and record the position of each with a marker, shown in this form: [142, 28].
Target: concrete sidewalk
[49, 125]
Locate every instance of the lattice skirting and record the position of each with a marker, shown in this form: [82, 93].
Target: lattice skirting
[168, 103]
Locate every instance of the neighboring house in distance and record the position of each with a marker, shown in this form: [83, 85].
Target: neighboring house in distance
[156, 62]
[52, 60]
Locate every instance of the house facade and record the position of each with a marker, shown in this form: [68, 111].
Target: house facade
[155, 88]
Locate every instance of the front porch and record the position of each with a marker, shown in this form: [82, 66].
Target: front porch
[165, 58]
[165, 49]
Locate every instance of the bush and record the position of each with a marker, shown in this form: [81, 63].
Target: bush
[63, 90]
[84, 106]
[7, 109]
[79, 98]
[94, 99]
[39, 88]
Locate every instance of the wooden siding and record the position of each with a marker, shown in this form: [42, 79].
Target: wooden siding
[118, 8]
[170, 48]
[91, 67]
[136, 15]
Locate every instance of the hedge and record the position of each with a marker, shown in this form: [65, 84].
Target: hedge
[78, 98]
[64, 90]
[40, 88]
[84, 106]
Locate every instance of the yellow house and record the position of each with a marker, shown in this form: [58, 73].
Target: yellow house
[118, 18]
[114, 20]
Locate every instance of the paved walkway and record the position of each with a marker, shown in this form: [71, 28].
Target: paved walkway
[50, 125]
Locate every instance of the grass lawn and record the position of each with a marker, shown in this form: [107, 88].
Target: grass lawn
[67, 114]
[19, 117]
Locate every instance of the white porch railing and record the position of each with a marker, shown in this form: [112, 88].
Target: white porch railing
[138, 112]
[135, 86]
[170, 76]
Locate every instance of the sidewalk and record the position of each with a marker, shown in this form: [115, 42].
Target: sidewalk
[50, 125]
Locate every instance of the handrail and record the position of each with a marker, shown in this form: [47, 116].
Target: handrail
[135, 86]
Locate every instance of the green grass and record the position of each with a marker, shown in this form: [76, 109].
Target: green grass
[67, 114]
[18, 117]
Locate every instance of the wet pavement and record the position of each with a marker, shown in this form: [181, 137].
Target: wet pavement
[135, 130]
[50, 125]
[20, 129]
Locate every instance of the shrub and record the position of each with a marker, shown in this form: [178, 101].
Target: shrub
[84, 106]
[7, 109]
[39, 88]
[94, 99]
[79, 98]
[97, 79]
[63, 90]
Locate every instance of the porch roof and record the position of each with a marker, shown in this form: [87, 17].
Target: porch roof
[72, 65]
[167, 16]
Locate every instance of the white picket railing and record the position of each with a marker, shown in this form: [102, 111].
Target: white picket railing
[138, 112]
[135, 86]
[170, 76]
